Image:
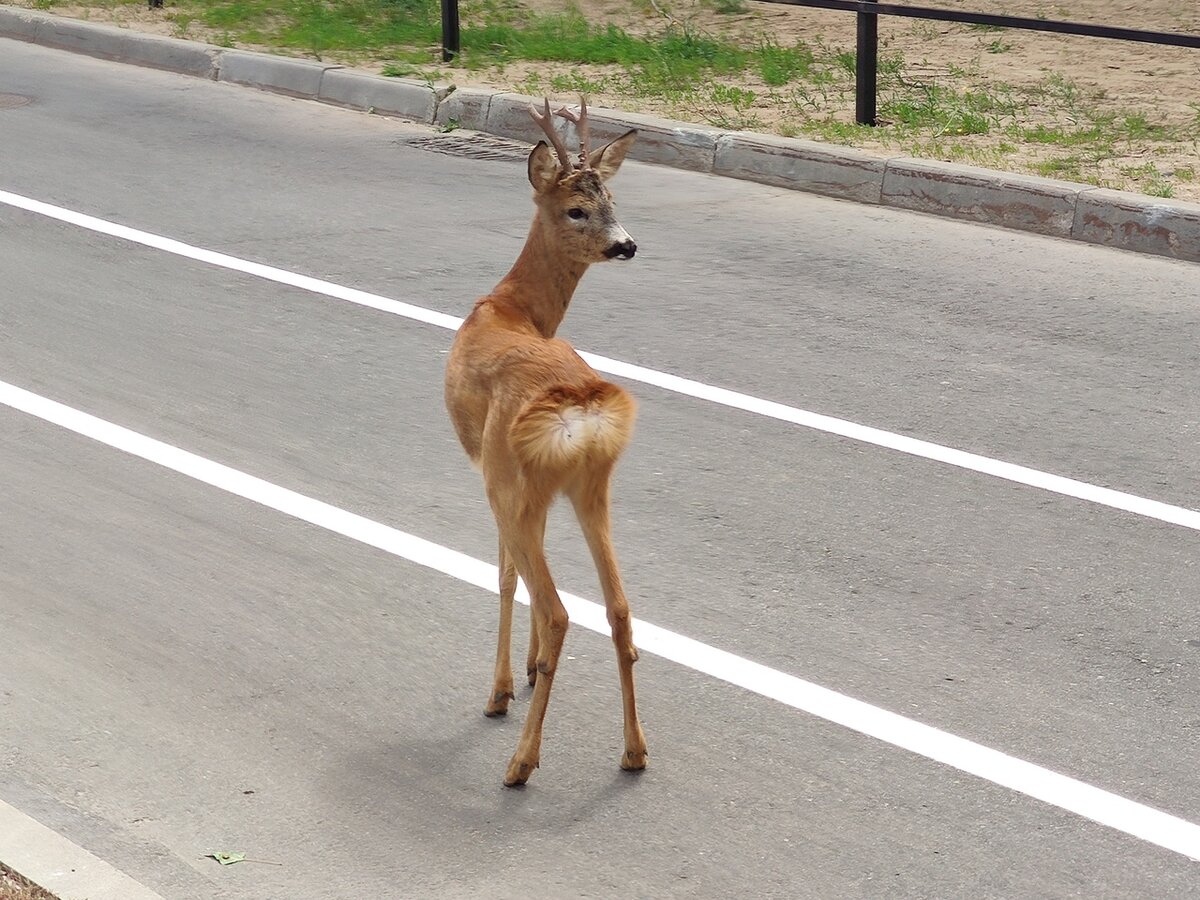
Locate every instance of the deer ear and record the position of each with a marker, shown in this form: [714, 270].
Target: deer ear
[608, 158]
[543, 167]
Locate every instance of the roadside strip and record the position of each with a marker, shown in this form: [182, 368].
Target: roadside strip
[1024, 202]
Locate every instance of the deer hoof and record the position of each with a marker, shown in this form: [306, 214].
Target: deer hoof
[498, 704]
[532, 673]
[518, 772]
[633, 760]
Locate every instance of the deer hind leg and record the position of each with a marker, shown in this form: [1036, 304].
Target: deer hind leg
[502, 684]
[523, 536]
[590, 499]
[531, 658]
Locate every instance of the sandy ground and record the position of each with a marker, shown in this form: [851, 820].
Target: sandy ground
[13, 887]
[1160, 83]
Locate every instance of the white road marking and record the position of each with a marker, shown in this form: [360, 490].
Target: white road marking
[1068, 487]
[1051, 787]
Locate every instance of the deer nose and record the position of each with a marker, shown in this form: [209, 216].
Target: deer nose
[621, 250]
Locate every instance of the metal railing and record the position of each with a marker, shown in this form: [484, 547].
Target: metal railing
[867, 49]
[866, 73]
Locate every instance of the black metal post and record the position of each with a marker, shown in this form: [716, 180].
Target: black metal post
[450, 35]
[866, 66]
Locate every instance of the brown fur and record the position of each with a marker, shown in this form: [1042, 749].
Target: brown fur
[539, 422]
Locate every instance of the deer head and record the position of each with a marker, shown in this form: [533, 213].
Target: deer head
[574, 206]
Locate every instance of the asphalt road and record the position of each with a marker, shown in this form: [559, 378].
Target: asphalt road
[185, 671]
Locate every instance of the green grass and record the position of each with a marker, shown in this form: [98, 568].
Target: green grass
[727, 7]
[780, 65]
[1069, 168]
[493, 34]
[1135, 127]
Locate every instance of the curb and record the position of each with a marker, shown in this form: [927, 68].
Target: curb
[1062, 209]
[64, 869]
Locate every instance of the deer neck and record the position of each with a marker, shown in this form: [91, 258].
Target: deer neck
[541, 282]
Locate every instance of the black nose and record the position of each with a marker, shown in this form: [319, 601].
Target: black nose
[623, 250]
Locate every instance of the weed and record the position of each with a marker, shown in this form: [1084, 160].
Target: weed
[841, 132]
[1185, 173]
[727, 106]
[1057, 134]
[780, 65]
[727, 7]
[1056, 88]
[734, 96]
[1148, 170]
[181, 23]
[577, 83]
[890, 64]
[998, 46]
[1136, 127]
[1067, 167]
[531, 84]
[944, 110]
[1153, 182]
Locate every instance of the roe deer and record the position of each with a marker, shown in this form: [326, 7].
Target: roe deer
[539, 422]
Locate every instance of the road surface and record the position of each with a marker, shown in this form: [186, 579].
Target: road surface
[187, 670]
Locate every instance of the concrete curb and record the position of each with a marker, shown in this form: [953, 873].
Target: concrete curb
[1022, 202]
[65, 869]
[293, 77]
[802, 165]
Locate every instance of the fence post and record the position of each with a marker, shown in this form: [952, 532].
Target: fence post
[450, 35]
[866, 64]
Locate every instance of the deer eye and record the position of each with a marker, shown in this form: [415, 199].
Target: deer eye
[576, 213]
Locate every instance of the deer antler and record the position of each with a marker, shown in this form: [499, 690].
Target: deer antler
[581, 129]
[546, 122]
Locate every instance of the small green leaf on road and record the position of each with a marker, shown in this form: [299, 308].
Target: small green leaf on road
[226, 859]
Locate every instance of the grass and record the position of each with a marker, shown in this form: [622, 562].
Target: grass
[1067, 167]
[728, 7]
[731, 80]
[15, 887]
